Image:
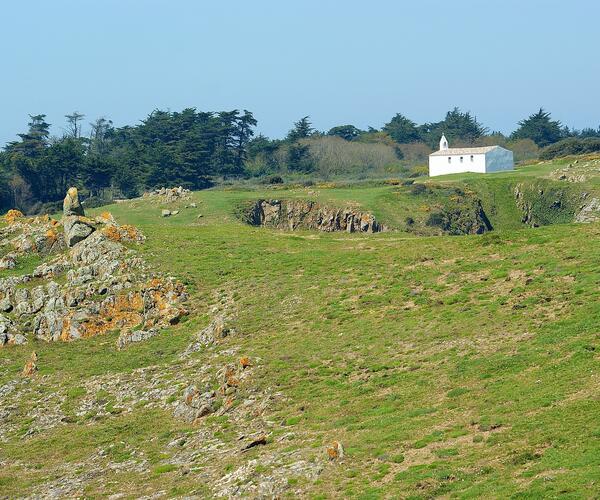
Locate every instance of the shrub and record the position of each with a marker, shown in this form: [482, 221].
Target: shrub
[275, 179]
[334, 156]
[418, 189]
[571, 146]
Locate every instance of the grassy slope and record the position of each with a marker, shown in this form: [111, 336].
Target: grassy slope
[459, 365]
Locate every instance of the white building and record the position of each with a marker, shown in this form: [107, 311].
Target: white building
[483, 160]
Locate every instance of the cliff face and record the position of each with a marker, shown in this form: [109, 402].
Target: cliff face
[302, 214]
[466, 217]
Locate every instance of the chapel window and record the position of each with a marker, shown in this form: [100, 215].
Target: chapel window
[449, 159]
[472, 158]
[461, 159]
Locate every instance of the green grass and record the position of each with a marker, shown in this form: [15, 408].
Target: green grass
[459, 366]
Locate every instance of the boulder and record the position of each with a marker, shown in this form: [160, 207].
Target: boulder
[195, 404]
[165, 213]
[8, 262]
[130, 337]
[5, 305]
[590, 212]
[76, 229]
[71, 204]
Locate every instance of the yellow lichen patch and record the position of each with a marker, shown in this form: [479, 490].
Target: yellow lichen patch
[51, 235]
[122, 313]
[122, 233]
[112, 233]
[132, 233]
[106, 216]
[12, 215]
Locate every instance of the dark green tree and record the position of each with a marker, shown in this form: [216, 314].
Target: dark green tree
[302, 129]
[346, 132]
[540, 128]
[458, 127]
[73, 124]
[402, 129]
[299, 159]
[34, 141]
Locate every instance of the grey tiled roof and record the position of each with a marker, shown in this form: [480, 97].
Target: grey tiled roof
[463, 151]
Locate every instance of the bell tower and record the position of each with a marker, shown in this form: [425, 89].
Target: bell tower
[443, 143]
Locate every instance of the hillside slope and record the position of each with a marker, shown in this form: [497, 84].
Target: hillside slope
[444, 365]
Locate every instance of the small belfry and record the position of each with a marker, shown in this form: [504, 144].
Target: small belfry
[443, 143]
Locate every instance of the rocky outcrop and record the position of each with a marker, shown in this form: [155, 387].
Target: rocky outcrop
[95, 286]
[543, 203]
[168, 195]
[466, 216]
[590, 212]
[302, 214]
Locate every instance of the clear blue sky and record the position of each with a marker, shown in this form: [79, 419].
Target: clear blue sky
[340, 61]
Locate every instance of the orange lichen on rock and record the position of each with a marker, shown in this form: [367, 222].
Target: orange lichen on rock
[31, 366]
[121, 313]
[12, 215]
[123, 233]
[51, 235]
[335, 451]
[132, 233]
[112, 233]
[245, 362]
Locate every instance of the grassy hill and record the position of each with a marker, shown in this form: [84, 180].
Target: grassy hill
[446, 366]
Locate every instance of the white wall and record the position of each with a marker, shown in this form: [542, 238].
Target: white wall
[438, 165]
[499, 159]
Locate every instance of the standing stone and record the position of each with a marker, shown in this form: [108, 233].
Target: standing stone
[76, 229]
[71, 205]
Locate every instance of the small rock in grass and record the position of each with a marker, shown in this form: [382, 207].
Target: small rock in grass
[335, 451]
[166, 213]
[31, 366]
[19, 339]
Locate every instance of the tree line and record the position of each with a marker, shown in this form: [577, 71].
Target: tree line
[194, 148]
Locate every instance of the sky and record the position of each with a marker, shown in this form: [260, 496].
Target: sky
[338, 61]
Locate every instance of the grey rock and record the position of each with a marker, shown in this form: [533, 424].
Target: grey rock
[19, 339]
[127, 338]
[76, 230]
[5, 305]
[8, 262]
[590, 212]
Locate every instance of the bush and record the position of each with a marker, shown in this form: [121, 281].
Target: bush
[418, 189]
[571, 146]
[333, 156]
[275, 179]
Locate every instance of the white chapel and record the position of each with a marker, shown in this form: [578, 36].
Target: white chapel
[483, 160]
